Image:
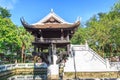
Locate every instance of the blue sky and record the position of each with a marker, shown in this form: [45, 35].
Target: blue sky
[69, 10]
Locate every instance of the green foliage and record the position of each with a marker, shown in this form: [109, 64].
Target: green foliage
[13, 39]
[24, 37]
[116, 7]
[79, 36]
[7, 34]
[24, 41]
[102, 32]
[4, 13]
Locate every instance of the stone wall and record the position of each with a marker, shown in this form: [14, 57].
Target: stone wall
[71, 75]
[20, 71]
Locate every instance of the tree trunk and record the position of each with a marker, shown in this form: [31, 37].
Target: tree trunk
[23, 50]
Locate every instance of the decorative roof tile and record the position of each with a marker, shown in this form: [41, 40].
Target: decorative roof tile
[49, 16]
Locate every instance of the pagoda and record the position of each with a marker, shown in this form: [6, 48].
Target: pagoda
[51, 33]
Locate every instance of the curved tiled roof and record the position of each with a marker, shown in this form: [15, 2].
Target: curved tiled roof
[50, 25]
[56, 25]
[51, 21]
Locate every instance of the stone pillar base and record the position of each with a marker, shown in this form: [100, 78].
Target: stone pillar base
[53, 72]
[53, 77]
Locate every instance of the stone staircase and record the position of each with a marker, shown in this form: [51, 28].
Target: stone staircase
[85, 59]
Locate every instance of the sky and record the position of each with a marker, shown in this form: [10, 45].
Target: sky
[69, 10]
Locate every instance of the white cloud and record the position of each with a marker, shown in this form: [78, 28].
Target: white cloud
[9, 4]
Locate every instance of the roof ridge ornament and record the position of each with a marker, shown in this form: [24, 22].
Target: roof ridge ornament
[51, 10]
[53, 15]
[78, 19]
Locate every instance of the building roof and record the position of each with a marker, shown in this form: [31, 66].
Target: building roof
[52, 21]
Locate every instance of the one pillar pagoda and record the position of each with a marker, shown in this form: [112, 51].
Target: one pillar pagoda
[51, 33]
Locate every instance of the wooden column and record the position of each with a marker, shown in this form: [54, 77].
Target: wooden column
[68, 36]
[62, 34]
[50, 54]
[53, 70]
[41, 36]
[54, 53]
[68, 48]
[36, 38]
[38, 49]
[35, 48]
[41, 49]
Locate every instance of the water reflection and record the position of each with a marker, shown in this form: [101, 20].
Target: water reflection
[28, 77]
[95, 79]
[44, 77]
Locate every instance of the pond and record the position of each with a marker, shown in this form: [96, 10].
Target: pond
[44, 77]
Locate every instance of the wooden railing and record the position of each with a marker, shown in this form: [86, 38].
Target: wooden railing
[51, 40]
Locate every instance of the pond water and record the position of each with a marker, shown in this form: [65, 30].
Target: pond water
[44, 77]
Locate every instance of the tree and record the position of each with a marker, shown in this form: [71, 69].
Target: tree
[102, 32]
[79, 36]
[13, 39]
[25, 40]
[4, 13]
[8, 40]
[116, 7]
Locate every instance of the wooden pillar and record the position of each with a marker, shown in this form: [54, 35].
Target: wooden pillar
[68, 36]
[62, 34]
[41, 36]
[34, 48]
[41, 49]
[68, 48]
[50, 54]
[54, 53]
[35, 39]
[38, 49]
[53, 69]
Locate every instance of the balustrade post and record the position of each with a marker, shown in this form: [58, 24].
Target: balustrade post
[86, 45]
[107, 63]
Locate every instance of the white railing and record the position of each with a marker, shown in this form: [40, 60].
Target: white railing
[22, 65]
[96, 55]
[104, 61]
[31, 65]
[28, 77]
[7, 67]
[78, 48]
[115, 64]
[86, 48]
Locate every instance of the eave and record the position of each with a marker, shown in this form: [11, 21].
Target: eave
[49, 25]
